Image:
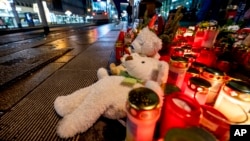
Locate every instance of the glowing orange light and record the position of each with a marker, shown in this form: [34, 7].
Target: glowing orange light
[179, 111]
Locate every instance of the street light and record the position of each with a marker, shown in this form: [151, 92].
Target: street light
[68, 13]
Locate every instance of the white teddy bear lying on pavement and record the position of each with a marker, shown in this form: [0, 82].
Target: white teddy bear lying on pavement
[107, 97]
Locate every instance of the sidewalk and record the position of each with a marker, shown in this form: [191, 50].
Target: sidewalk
[23, 57]
[34, 118]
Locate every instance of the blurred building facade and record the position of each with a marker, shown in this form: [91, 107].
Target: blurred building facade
[56, 11]
[79, 11]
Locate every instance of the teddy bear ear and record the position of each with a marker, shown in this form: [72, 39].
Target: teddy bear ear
[123, 58]
[163, 68]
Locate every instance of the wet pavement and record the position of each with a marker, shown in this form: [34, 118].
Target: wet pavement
[26, 106]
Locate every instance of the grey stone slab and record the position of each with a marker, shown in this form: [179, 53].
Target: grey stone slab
[25, 61]
[89, 60]
[35, 113]
[101, 46]
[14, 93]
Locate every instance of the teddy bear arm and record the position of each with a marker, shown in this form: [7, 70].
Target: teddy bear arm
[116, 69]
[64, 105]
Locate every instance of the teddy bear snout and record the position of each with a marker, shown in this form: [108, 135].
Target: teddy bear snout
[128, 58]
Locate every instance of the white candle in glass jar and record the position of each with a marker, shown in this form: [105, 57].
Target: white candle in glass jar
[198, 89]
[177, 70]
[234, 101]
[216, 79]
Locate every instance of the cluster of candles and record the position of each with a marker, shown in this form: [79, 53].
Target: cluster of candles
[217, 100]
[208, 98]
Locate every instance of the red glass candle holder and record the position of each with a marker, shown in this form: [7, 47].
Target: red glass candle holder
[198, 38]
[179, 111]
[178, 52]
[214, 121]
[207, 56]
[119, 50]
[210, 35]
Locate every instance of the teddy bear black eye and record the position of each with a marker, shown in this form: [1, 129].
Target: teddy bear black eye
[142, 62]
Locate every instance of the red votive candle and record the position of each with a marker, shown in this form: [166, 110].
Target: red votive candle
[207, 56]
[180, 111]
[214, 121]
[210, 35]
[198, 38]
[178, 52]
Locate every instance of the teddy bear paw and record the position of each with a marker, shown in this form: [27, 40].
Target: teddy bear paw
[66, 128]
[113, 69]
[63, 106]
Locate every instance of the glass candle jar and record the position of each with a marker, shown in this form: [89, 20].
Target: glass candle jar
[177, 69]
[187, 49]
[119, 50]
[191, 72]
[223, 65]
[214, 121]
[207, 56]
[143, 111]
[216, 79]
[178, 52]
[198, 89]
[199, 66]
[179, 111]
[191, 58]
[198, 38]
[210, 35]
[234, 101]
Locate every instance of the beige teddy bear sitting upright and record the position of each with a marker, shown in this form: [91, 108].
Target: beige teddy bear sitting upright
[107, 97]
[147, 43]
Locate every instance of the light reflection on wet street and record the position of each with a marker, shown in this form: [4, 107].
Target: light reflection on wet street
[35, 46]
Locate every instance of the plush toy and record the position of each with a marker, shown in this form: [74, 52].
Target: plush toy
[135, 64]
[107, 97]
[147, 43]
